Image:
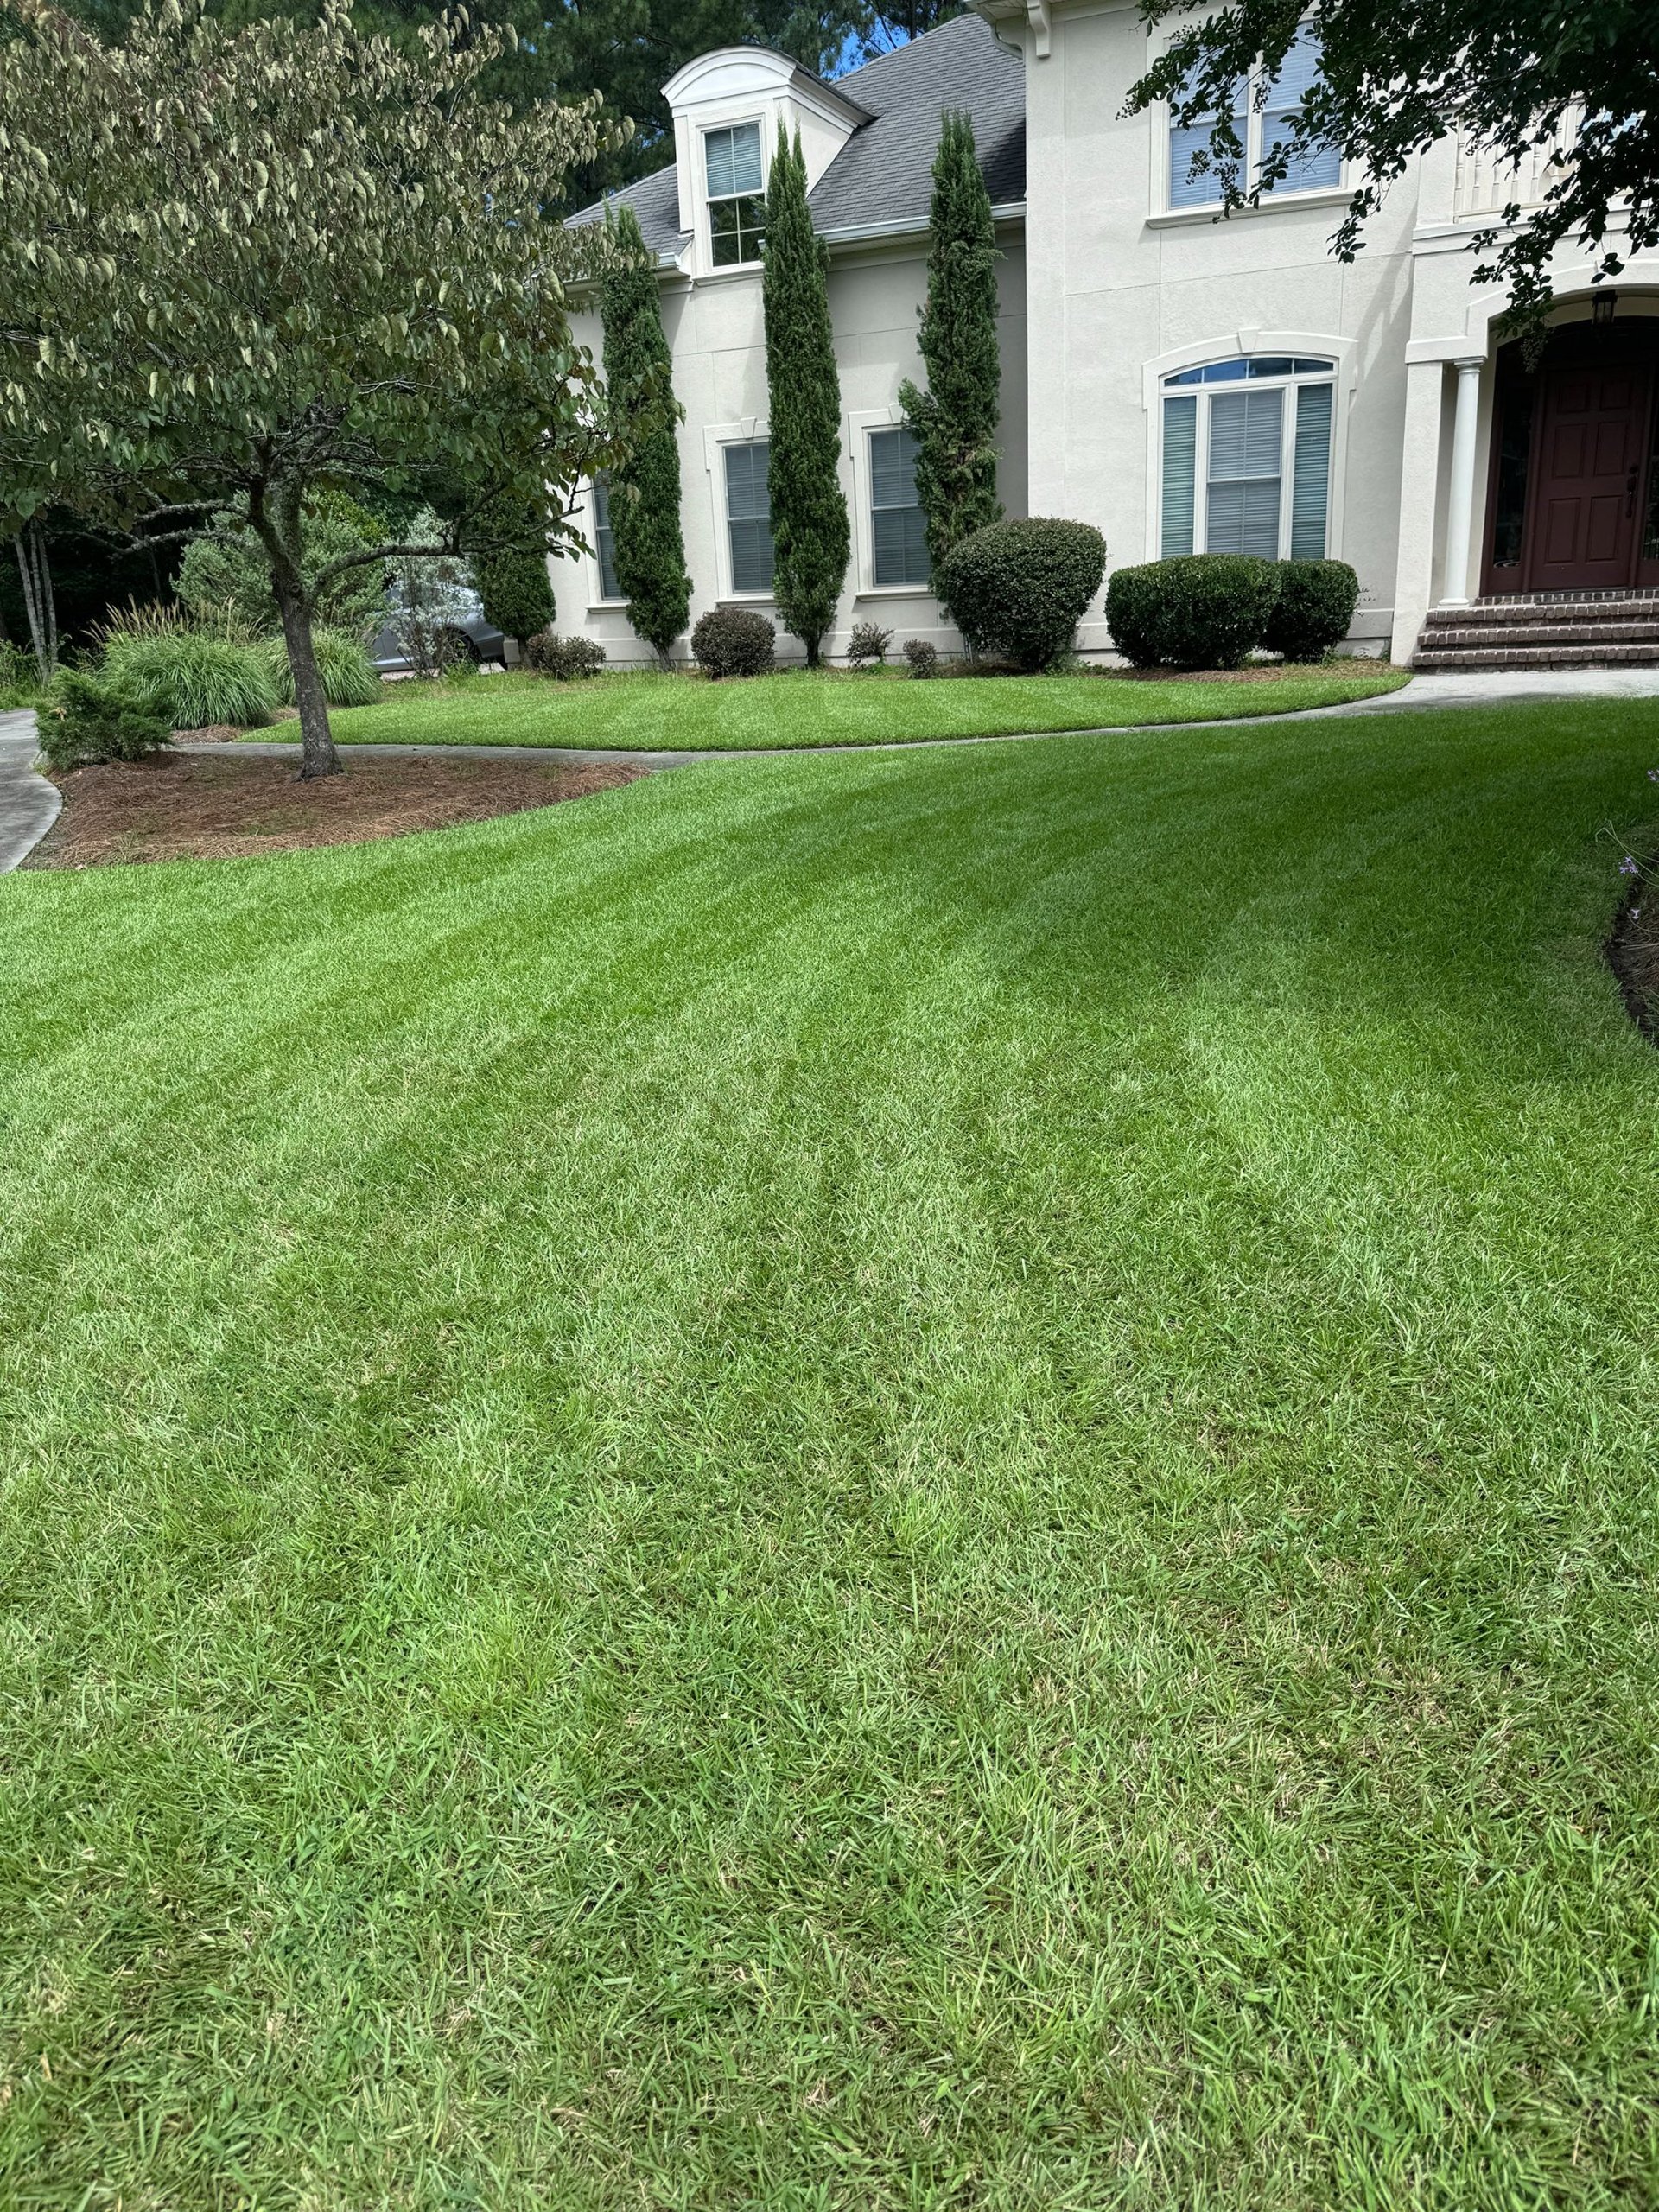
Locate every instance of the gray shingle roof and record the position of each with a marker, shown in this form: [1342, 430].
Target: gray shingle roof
[883, 175]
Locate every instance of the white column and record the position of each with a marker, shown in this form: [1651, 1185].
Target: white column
[1461, 499]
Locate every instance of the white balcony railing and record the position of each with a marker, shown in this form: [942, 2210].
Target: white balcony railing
[1487, 185]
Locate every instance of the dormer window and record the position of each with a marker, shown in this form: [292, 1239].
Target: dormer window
[736, 206]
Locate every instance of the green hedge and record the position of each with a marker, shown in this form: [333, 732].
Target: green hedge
[1019, 589]
[1200, 610]
[1316, 604]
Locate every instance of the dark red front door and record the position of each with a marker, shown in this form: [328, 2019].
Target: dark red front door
[1587, 500]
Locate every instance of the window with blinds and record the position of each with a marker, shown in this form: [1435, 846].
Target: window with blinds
[748, 516]
[1261, 113]
[1246, 457]
[737, 206]
[604, 541]
[898, 526]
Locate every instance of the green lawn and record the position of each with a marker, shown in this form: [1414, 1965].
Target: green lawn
[896, 1480]
[685, 714]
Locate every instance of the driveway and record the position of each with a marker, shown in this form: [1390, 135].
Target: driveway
[28, 804]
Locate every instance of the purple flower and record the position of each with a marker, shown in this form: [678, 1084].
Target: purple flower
[1628, 867]
[1653, 775]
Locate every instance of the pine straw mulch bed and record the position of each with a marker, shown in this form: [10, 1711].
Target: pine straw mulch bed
[186, 806]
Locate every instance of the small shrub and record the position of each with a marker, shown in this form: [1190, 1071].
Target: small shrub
[195, 674]
[567, 660]
[1316, 603]
[87, 718]
[1019, 589]
[924, 657]
[733, 641]
[1199, 610]
[19, 679]
[350, 678]
[868, 642]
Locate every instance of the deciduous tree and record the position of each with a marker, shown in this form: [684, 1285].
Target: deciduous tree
[247, 266]
[811, 534]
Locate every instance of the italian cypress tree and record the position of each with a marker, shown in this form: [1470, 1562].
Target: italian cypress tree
[811, 537]
[955, 420]
[515, 591]
[646, 533]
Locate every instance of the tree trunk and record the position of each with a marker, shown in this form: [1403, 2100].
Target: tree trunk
[39, 603]
[811, 653]
[317, 756]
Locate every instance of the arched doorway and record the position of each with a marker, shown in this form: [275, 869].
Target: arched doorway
[1572, 499]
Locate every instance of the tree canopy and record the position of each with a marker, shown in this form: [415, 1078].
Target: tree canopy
[623, 50]
[1508, 76]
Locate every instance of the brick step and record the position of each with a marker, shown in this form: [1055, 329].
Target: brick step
[1482, 614]
[1563, 634]
[1432, 654]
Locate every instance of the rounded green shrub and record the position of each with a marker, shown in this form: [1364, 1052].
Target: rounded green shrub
[567, 660]
[1019, 589]
[195, 676]
[87, 718]
[350, 678]
[1316, 603]
[1200, 610]
[733, 641]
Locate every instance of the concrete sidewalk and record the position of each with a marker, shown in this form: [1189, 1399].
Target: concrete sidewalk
[1480, 688]
[28, 804]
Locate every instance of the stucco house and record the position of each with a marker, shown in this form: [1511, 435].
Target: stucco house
[1183, 383]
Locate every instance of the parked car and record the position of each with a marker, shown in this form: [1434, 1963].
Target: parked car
[466, 634]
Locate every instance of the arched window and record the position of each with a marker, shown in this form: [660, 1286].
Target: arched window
[1247, 456]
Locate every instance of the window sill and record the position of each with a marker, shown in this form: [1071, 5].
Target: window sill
[896, 591]
[725, 274]
[608, 606]
[745, 599]
[1277, 203]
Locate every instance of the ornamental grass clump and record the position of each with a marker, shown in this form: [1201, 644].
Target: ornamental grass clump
[1199, 610]
[1018, 590]
[350, 678]
[197, 675]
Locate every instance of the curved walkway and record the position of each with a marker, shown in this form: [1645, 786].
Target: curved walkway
[28, 804]
[1487, 688]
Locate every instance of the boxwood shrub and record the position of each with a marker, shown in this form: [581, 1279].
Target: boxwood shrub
[1199, 610]
[733, 641]
[567, 660]
[1019, 589]
[1316, 603]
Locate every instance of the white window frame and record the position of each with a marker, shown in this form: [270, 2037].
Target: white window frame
[859, 424]
[748, 431]
[596, 594]
[705, 131]
[1341, 352]
[1285, 194]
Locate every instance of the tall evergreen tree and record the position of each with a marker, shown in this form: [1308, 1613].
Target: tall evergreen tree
[646, 532]
[955, 420]
[811, 537]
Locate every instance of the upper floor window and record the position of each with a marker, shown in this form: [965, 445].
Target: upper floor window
[898, 526]
[749, 515]
[605, 540]
[1261, 111]
[1246, 457]
[736, 205]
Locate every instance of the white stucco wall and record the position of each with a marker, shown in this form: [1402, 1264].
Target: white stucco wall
[714, 330]
[1119, 290]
